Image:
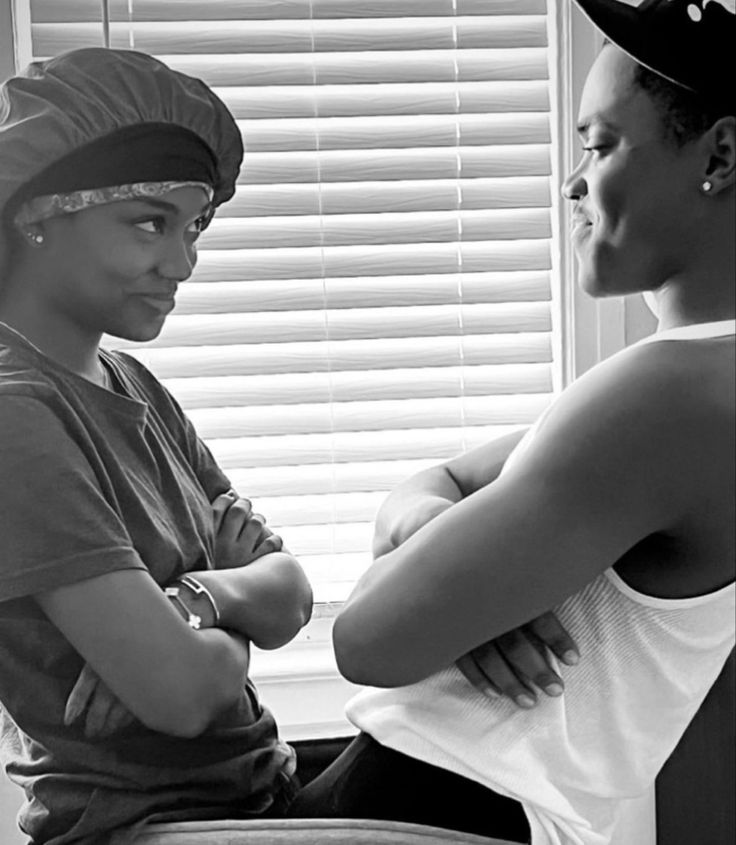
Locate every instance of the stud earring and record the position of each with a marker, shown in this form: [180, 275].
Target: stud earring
[707, 186]
[35, 237]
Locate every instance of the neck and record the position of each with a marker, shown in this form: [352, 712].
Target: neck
[677, 307]
[60, 339]
[704, 295]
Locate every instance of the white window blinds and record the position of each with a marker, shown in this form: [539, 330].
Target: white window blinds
[376, 297]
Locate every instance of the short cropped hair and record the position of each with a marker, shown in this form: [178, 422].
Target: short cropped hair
[685, 115]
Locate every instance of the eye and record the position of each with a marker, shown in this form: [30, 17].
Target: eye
[152, 225]
[196, 227]
[596, 148]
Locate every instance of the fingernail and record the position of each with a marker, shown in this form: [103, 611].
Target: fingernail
[525, 701]
[554, 689]
[572, 658]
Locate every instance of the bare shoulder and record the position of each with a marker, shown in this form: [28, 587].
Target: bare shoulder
[677, 389]
[656, 423]
[657, 419]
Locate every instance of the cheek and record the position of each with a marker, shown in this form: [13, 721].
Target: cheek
[608, 194]
[127, 261]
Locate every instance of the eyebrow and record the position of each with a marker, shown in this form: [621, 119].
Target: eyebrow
[584, 126]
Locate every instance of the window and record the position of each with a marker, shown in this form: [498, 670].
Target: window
[384, 289]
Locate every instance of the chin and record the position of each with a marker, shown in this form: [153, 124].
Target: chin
[137, 334]
[595, 285]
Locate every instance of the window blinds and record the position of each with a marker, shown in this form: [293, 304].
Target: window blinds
[376, 297]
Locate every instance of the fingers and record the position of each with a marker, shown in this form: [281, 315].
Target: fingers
[80, 695]
[220, 507]
[254, 530]
[107, 720]
[490, 660]
[467, 665]
[271, 543]
[529, 661]
[234, 520]
[101, 704]
[549, 630]
[90, 698]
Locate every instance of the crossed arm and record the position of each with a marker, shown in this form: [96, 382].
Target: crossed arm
[592, 484]
[144, 661]
[516, 664]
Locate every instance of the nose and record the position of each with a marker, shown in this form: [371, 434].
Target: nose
[177, 259]
[575, 186]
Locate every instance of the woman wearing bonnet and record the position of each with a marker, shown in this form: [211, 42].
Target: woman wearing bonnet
[132, 577]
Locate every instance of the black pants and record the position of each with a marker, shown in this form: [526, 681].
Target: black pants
[370, 781]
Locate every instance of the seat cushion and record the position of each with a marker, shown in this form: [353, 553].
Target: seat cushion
[305, 832]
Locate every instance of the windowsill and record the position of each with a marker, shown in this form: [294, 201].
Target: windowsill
[301, 685]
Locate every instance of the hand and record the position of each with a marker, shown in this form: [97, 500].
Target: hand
[91, 700]
[388, 538]
[513, 663]
[241, 536]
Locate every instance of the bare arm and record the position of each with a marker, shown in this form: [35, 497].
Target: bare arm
[259, 588]
[173, 679]
[421, 498]
[260, 595]
[518, 663]
[592, 484]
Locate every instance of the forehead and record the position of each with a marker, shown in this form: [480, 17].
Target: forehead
[612, 95]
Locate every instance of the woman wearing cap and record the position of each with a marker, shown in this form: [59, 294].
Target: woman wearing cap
[132, 578]
[616, 509]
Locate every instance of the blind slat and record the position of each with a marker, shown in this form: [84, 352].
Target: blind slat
[294, 36]
[387, 228]
[298, 388]
[419, 163]
[343, 462]
[329, 538]
[306, 357]
[389, 291]
[399, 131]
[53, 11]
[353, 323]
[385, 99]
[379, 197]
[368, 416]
[370, 260]
[352, 68]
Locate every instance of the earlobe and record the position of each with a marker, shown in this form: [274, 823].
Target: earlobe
[33, 236]
[720, 172]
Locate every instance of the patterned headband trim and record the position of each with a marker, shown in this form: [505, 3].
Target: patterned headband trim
[54, 205]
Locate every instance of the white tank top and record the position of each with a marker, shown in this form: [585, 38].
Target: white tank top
[647, 665]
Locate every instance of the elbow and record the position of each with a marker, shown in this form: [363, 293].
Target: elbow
[291, 611]
[183, 720]
[280, 633]
[369, 660]
[185, 707]
[180, 723]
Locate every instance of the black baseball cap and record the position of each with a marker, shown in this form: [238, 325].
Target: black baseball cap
[689, 42]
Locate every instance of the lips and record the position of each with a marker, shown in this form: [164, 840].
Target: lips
[579, 224]
[161, 301]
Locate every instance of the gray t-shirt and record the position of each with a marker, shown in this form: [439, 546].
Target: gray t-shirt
[94, 481]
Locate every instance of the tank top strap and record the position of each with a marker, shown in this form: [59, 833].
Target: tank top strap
[696, 331]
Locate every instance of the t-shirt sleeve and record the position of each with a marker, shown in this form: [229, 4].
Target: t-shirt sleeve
[57, 527]
[213, 480]
[211, 477]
